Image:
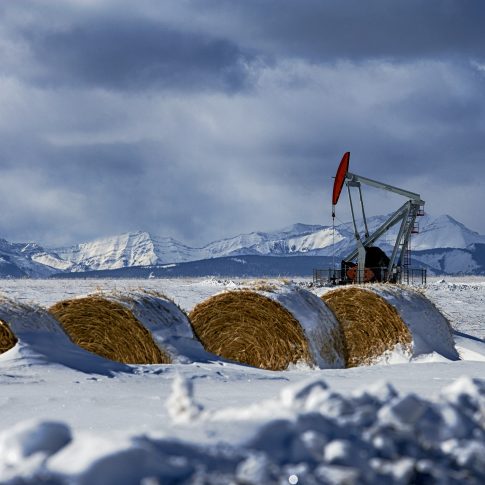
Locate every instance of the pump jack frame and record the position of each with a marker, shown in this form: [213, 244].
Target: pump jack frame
[406, 215]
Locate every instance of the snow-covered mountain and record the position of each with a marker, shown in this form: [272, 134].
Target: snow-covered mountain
[126, 250]
[444, 232]
[28, 260]
[143, 249]
[443, 243]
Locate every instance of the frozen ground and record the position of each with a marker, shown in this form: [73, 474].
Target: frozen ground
[225, 423]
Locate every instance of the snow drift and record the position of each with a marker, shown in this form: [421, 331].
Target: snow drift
[430, 330]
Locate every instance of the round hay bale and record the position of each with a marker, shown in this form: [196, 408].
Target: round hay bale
[269, 326]
[109, 329]
[134, 328]
[35, 338]
[430, 329]
[7, 338]
[370, 325]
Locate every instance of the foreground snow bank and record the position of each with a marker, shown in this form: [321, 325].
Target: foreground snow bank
[309, 432]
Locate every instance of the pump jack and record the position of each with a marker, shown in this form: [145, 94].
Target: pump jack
[388, 269]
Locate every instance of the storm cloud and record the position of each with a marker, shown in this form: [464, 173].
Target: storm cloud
[352, 29]
[124, 55]
[204, 119]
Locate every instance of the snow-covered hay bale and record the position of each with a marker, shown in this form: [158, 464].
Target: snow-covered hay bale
[7, 338]
[38, 339]
[430, 329]
[108, 329]
[134, 328]
[269, 326]
[24, 323]
[370, 325]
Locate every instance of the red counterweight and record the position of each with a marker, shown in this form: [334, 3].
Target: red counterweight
[343, 168]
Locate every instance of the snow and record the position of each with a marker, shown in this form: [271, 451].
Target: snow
[469, 348]
[317, 240]
[430, 330]
[52, 260]
[219, 422]
[461, 300]
[450, 262]
[166, 322]
[444, 232]
[111, 253]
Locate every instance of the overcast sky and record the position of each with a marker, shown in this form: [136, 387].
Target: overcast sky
[208, 118]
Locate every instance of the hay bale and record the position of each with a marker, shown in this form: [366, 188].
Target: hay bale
[108, 329]
[134, 328]
[40, 340]
[269, 326]
[7, 338]
[430, 329]
[370, 325]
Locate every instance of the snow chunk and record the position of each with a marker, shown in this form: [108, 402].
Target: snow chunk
[299, 394]
[468, 395]
[181, 405]
[255, 469]
[32, 437]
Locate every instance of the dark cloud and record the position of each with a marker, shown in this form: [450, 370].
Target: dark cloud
[68, 45]
[135, 55]
[354, 29]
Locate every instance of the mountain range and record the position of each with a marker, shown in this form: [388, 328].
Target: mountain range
[443, 245]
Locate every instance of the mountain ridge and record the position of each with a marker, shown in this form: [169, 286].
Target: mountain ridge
[140, 248]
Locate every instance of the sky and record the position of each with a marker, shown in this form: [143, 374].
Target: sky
[204, 119]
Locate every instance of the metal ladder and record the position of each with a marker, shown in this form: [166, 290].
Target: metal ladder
[413, 227]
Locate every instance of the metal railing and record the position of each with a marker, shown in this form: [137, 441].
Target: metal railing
[413, 276]
[352, 275]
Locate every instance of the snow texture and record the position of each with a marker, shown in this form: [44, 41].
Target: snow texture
[167, 323]
[430, 330]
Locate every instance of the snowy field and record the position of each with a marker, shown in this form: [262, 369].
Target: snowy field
[408, 422]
